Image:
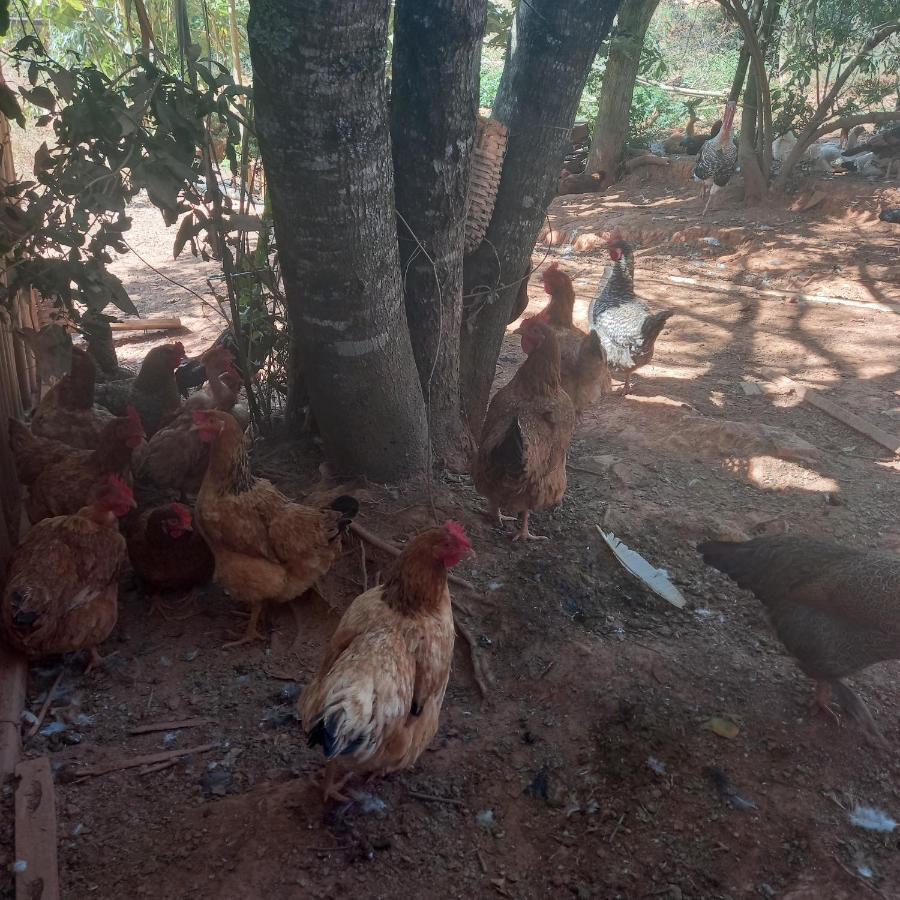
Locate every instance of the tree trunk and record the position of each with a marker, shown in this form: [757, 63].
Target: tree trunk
[755, 182]
[614, 105]
[552, 46]
[234, 37]
[322, 122]
[434, 105]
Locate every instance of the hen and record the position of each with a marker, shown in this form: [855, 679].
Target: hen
[175, 457]
[626, 327]
[582, 359]
[153, 393]
[885, 145]
[165, 551]
[267, 548]
[375, 703]
[63, 484]
[192, 373]
[66, 412]
[521, 461]
[836, 609]
[63, 580]
[718, 158]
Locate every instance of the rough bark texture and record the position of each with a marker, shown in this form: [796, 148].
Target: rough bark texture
[552, 46]
[322, 121]
[434, 105]
[617, 91]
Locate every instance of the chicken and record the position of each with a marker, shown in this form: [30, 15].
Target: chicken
[154, 393]
[626, 327]
[718, 157]
[582, 359]
[267, 548]
[165, 551]
[375, 703]
[691, 144]
[582, 183]
[521, 461]
[63, 580]
[66, 412]
[175, 457]
[885, 145]
[836, 609]
[192, 372]
[62, 486]
[673, 143]
[890, 215]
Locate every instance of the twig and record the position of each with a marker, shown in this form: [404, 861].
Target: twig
[147, 759]
[149, 770]
[362, 562]
[547, 668]
[479, 671]
[615, 830]
[432, 798]
[46, 705]
[481, 862]
[856, 877]
[327, 849]
[171, 726]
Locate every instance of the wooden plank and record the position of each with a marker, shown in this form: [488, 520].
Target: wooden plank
[14, 669]
[171, 726]
[164, 324]
[37, 872]
[148, 759]
[814, 398]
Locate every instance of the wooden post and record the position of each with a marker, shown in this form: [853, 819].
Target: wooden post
[37, 872]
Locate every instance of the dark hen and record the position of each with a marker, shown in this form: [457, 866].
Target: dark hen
[718, 158]
[625, 325]
[835, 609]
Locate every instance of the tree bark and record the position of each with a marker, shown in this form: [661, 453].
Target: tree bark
[322, 122]
[552, 46]
[617, 91]
[434, 105]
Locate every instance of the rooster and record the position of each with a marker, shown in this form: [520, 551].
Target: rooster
[835, 608]
[583, 368]
[521, 461]
[375, 703]
[61, 593]
[153, 393]
[626, 327]
[717, 160]
[65, 481]
[192, 373]
[267, 548]
[66, 412]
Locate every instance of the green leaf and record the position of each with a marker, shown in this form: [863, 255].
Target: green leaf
[118, 294]
[64, 82]
[40, 96]
[184, 234]
[9, 105]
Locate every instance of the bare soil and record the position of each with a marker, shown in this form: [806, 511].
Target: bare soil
[591, 769]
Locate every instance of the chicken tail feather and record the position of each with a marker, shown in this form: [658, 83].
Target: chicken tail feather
[348, 507]
[509, 454]
[330, 732]
[654, 324]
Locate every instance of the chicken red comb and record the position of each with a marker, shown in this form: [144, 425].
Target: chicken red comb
[183, 514]
[120, 486]
[458, 533]
[553, 267]
[201, 416]
[134, 417]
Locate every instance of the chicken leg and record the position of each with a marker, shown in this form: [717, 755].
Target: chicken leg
[252, 633]
[523, 534]
[331, 785]
[493, 513]
[854, 707]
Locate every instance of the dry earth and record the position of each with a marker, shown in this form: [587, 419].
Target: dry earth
[590, 770]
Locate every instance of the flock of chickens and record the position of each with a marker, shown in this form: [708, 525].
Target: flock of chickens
[131, 469]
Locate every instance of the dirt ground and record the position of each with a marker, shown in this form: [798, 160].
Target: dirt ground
[591, 770]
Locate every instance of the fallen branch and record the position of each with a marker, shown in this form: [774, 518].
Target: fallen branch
[148, 759]
[433, 798]
[46, 705]
[647, 160]
[774, 292]
[171, 726]
[168, 324]
[814, 398]
[678, 89]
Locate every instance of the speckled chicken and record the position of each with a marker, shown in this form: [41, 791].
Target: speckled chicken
[718, 158]
[836, 609]
[624, 323]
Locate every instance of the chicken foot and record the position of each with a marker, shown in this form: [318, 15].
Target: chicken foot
[523, 534]
[251, 634]
[853, 706]
[96, 661]
[493, 513]
[331, 784]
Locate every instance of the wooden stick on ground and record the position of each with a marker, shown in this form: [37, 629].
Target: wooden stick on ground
[814, 398]
[479, 670]
[147, 759]
[12, 701]
[171, 726]
[167, 324]
[36, 831]
[46, 705]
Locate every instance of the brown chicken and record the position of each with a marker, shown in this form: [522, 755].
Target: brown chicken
[154, 393]
[521, 461]
[267, 548]
[67, 413]
[64, 482]
[175, 457]
[375, 703]
[63, 580]
[836, 609]
[165, 551]
[582, 359]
